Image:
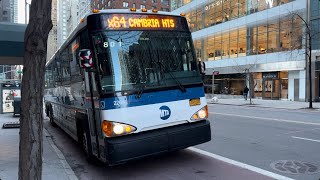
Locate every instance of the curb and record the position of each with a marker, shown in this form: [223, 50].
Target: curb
[261, 106]
[68, 170]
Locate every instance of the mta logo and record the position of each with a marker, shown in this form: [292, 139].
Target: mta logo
[165, 112]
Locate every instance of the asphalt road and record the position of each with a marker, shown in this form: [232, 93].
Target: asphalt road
[184, 164]
[285, 142]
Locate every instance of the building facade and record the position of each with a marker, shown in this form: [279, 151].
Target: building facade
[257, 41]
[5, 11]
[63, 14]
[161, 5]
[315, 26]
[52, 38]
[71, 11]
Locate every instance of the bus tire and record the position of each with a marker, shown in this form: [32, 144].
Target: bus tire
[85, 142]
[51, 118]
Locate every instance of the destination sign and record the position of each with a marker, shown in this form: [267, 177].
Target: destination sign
[137, 21]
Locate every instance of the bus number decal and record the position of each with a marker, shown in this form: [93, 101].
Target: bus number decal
[111, 44]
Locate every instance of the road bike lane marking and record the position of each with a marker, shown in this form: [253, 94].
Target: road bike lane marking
[240, 164]
[268, 119]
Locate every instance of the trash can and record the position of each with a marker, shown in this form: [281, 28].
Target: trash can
[16, 105]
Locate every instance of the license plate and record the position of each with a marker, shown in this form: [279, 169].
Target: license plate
[194, 102]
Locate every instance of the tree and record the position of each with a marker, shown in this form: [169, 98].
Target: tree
[31, 119]
[245, 70]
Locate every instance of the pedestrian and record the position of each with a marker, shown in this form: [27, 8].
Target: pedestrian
[202, 68]
[245, 93]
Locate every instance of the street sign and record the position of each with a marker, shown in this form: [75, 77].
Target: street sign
[215, 73]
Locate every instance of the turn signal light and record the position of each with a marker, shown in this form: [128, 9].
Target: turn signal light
[95, 11]
[107, 128]
[112, 129]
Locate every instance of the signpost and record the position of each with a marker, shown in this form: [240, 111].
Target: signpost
[213, 74]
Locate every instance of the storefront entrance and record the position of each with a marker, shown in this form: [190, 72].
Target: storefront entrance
[274, 85]
[271, 89]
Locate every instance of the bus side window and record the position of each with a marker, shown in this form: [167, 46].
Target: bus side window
[74, 63]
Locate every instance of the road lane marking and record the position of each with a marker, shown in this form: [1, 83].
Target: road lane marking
[269, 119]
[240, 164]
[294, 132]
[307, 139]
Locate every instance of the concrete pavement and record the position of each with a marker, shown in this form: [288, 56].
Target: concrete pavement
[285, 104]
[54, 164]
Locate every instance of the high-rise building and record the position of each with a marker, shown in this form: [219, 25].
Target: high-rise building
[63, 14]
[15, 11]
[6, 15]
[52, 38]
[161, 5]
[71, 11]
[257, 41]
[315, 26]
[5, 11]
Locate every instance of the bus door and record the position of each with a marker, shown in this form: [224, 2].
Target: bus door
[93, 110]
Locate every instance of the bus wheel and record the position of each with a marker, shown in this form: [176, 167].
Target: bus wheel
[51, 118]
[87, 148]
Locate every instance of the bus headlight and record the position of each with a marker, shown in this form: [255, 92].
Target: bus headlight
[112, 129]
[201, 114]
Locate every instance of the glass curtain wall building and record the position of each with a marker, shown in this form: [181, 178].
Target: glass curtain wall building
[259, 37]
[315, 26]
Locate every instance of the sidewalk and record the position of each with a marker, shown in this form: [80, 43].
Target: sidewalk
[54, 164]
[284, 104]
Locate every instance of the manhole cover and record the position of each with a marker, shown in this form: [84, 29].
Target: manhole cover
[294, 167]
[11, 125]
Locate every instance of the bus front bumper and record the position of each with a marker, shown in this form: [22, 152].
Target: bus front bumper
[121, 149]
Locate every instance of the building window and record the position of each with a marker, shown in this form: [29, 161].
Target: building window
[109, 3]
[154, 1]
[165, 2]
[165, 9]
[125, 4]
[142, 6]
[134, 5]
[5, 12]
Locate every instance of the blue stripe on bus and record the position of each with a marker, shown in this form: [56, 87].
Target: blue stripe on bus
[151, 98]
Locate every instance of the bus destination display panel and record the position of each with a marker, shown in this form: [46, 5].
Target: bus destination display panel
[143, 22]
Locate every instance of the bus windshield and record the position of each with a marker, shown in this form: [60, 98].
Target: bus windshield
[131, 60]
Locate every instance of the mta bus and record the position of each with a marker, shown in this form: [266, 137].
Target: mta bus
[126, 84]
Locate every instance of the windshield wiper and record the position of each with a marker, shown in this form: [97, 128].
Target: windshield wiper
[140, 92]
[182, 88]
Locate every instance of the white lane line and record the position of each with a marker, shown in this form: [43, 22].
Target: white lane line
[269, 119]
[294, 132]
[240, 164]
[307, 139]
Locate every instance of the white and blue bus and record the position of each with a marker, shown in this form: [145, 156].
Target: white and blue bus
[126, 84]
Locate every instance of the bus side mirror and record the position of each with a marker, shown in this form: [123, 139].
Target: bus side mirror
[85, 56]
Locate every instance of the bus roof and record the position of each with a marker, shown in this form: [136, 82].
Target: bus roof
[83, 24]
